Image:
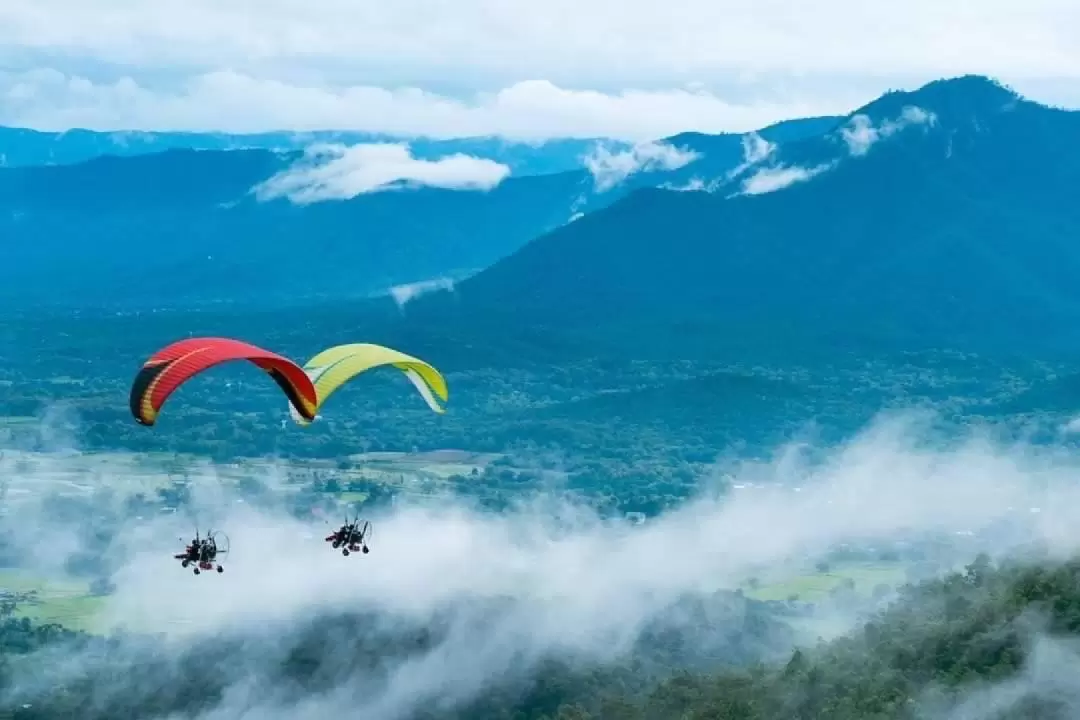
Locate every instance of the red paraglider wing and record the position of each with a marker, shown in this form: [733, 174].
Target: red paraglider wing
[182, 347]
[175, 364]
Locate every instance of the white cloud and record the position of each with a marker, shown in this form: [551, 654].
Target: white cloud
[861, 134]
[609, 169]
[532, 109]
[403, 294]
[584, 587]
[674, 42]
[755, 149]
[771, 179]
[336, 172]
[1048, 673]
[694, 184]
[697, 64]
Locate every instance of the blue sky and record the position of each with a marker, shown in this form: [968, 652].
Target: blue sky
[634, 69]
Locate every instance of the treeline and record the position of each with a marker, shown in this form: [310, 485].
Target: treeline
[132, 677]
[941, 641]
[938, 642]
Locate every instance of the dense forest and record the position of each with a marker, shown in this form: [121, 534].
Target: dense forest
[614, 426]
[986, 642]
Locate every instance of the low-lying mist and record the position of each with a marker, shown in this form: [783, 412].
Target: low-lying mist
[452, 600]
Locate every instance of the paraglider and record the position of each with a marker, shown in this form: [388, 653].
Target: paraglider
[204, 552]
[352, 535]
[335, 366]
[175, 364]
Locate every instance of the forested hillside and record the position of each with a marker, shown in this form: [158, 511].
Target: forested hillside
[983, 642]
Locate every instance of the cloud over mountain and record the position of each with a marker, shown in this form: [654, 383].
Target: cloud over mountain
[611, 168]
[336, 172]
[959, 190]
[529, 109]
[861, 133]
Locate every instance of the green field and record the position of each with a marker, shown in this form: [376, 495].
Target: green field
[815, 586]
[66, 602]
[352, 498]
[31, 474]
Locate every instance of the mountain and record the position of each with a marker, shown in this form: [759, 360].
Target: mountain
[688, 161]
[720, 155]
[22, 147]
[183, 226]
[946, 215]
[201, 226]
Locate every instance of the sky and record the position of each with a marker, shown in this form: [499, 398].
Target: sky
[633, 69]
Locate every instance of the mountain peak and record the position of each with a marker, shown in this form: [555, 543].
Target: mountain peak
[972, 85]
[971, 93]
[957, 98]
[960, 229]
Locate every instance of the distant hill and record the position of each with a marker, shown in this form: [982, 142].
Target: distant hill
[185, 226]
[23, 147]
[182, 226]
[944, 215]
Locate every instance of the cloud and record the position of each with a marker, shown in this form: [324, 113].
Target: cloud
[609, 169]
[480, 67]
[1048, 674]
[771, 179]
[860, 134]
[669, 43]
[694, 184]
[403, 294]
[553, 579]
[337, 172]
[528, 110]
[756, 149]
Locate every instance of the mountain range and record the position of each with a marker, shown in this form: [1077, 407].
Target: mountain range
[271, 226]
[945, 215]
[23, 147]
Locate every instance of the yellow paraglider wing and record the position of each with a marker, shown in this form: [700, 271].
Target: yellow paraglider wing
[335, 366]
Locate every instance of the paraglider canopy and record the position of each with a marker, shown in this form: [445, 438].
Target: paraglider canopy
[175, 364]
[335, 366]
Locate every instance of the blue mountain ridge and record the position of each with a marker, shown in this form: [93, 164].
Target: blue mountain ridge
[183, 226]
[957, 227]
[24, 147]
